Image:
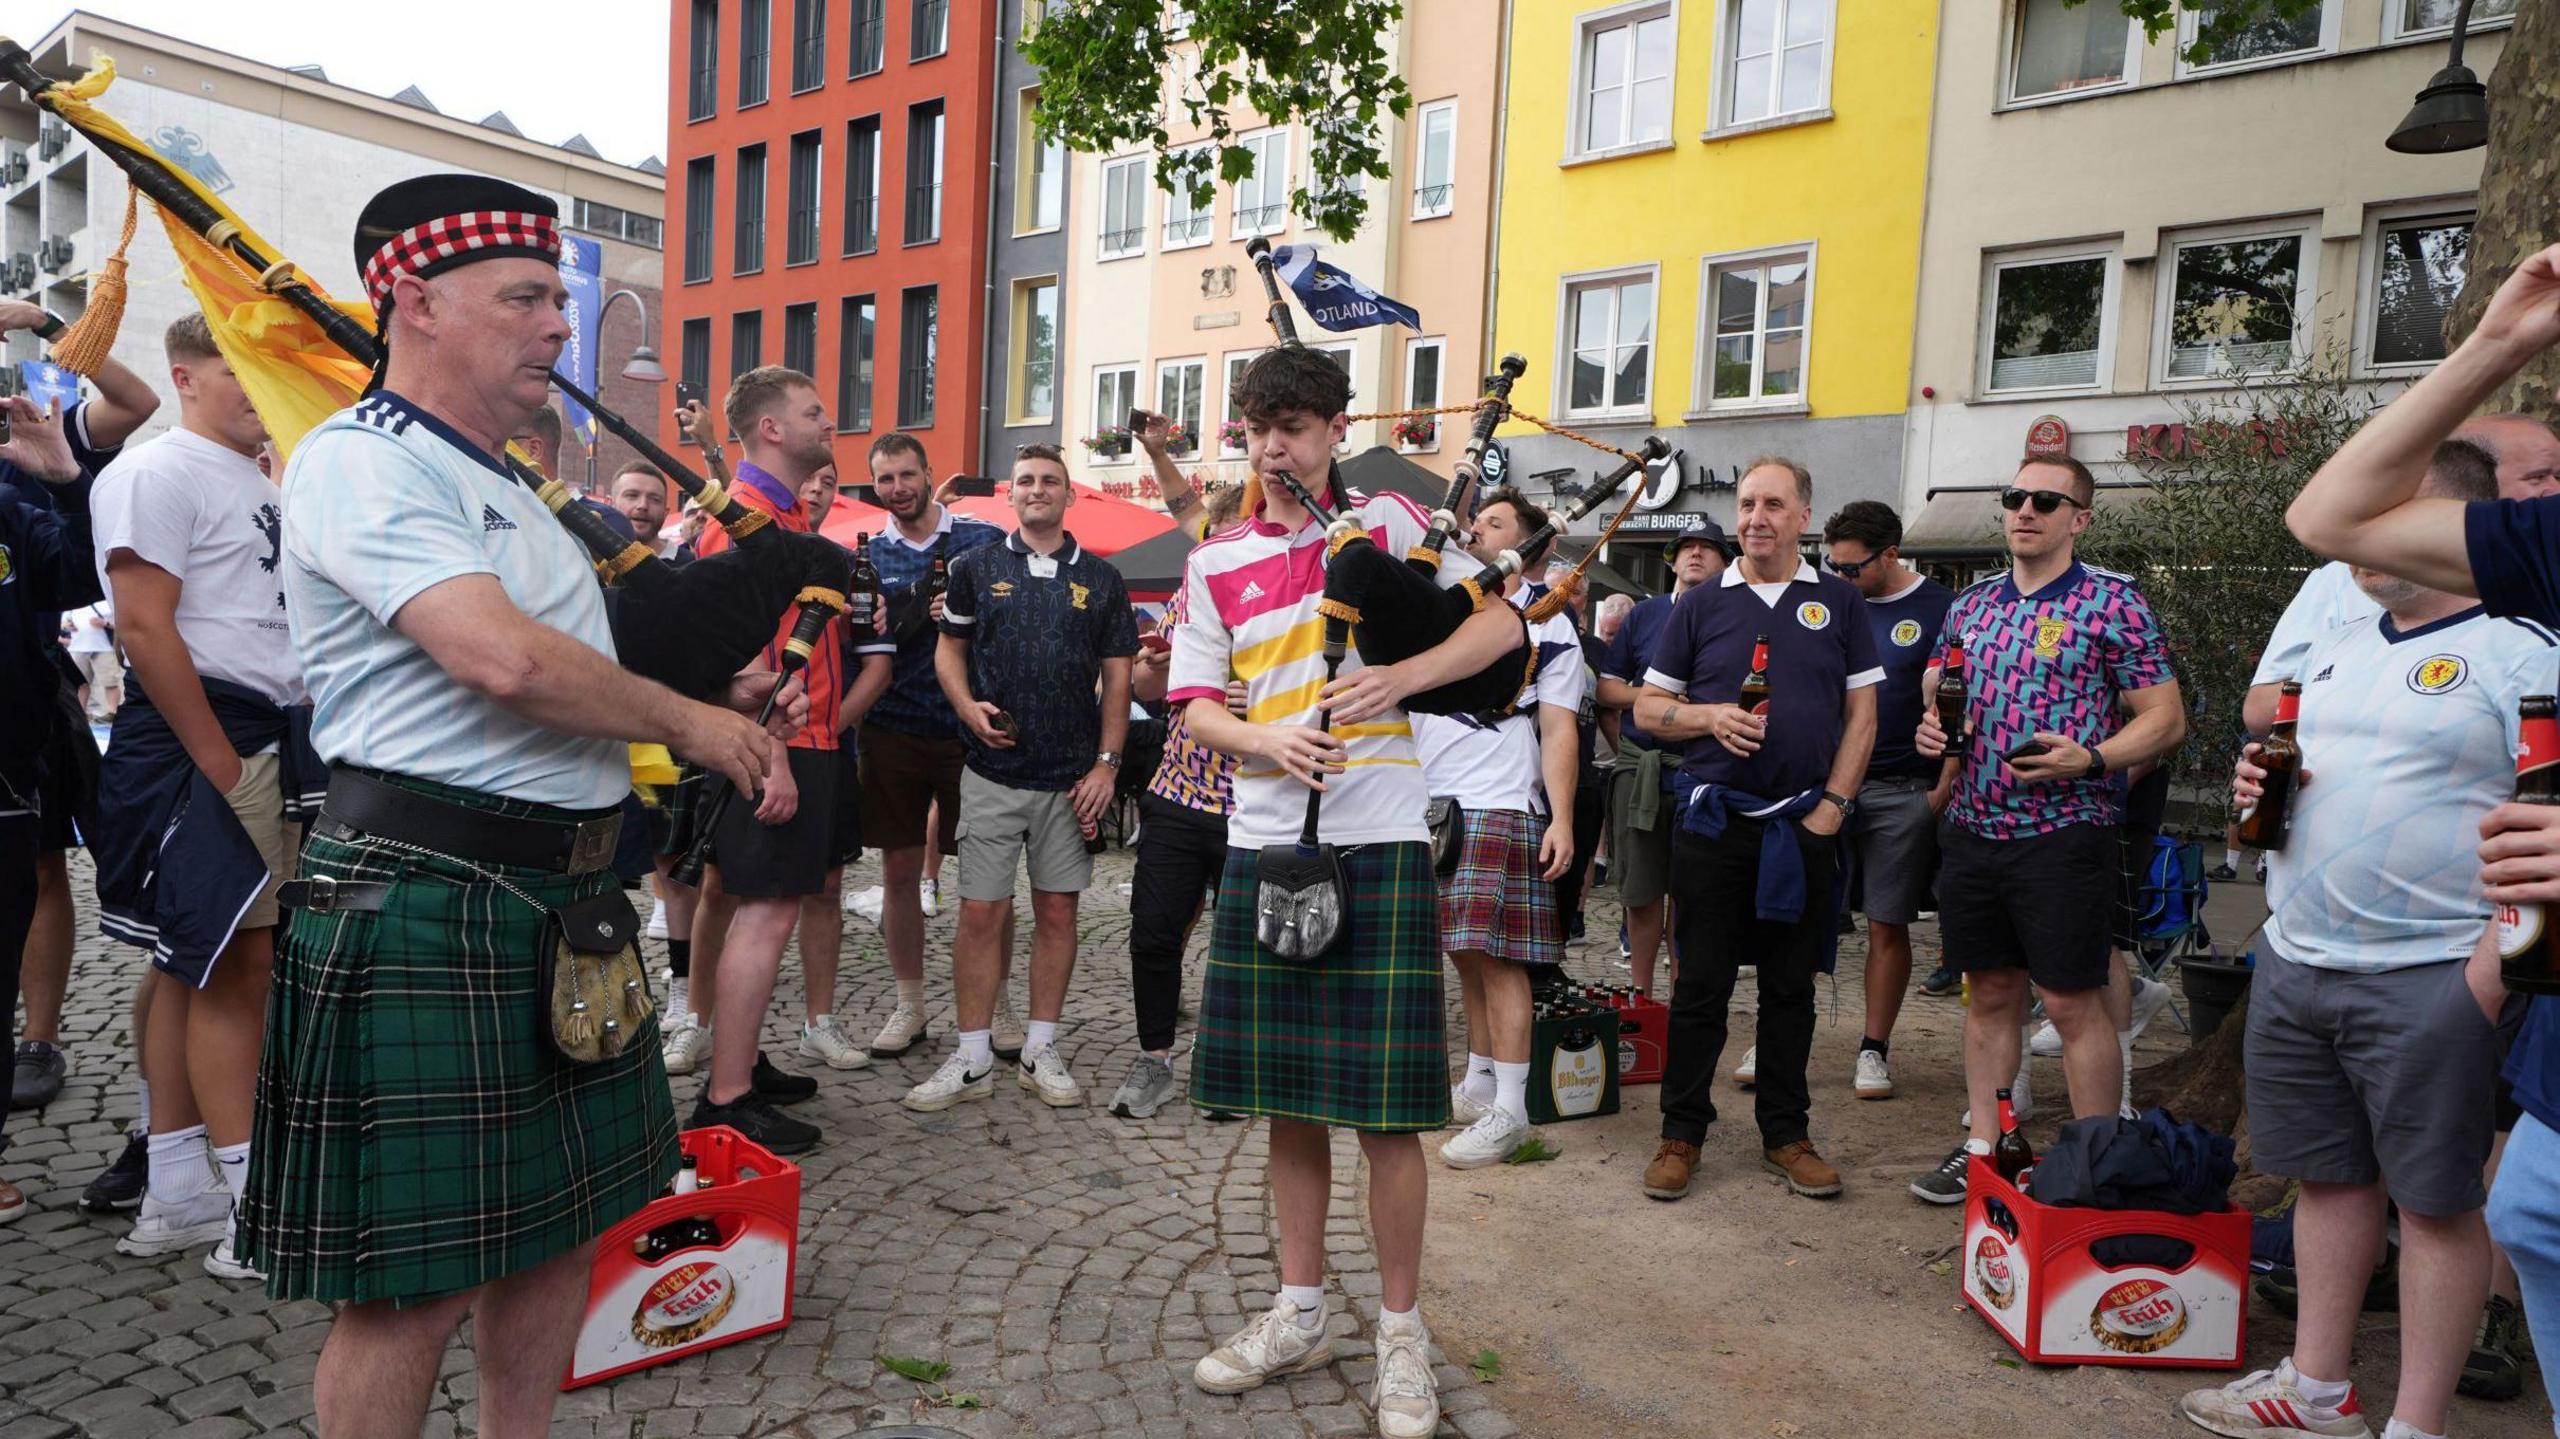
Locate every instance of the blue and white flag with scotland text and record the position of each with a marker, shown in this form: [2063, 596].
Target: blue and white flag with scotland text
[47, 383]
[1334, 297]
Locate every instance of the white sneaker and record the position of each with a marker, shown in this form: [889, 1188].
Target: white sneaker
[826, 1041]
[2046, 1043]
[2022, 1100]
[1875, 1077]
[1406, 1397]
[2270, 1403]
[929, 894]
[1272, 1345]
[1044, 1073]
[1463, 1111]
[1006, 1033]
[864, 902]
[688, 1044]
[224, 1261]
[203, 1217]
[2150, 997]
[1747, 1073]
[951, 1084]
[657, 919]
[1489, 1140]
[904, 1031]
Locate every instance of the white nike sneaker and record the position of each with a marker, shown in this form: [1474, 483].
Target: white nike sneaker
[824, 1039]
[1874, 1078]
[950, 1085]
[1044, 1073]
[1406, 1397]
[1463, 1111]
[2047, 1043]
[203, 1217]
[1747, 1073]
[688, 1044]
[904, 1031]
[1489, 1140]
[1272, 1345]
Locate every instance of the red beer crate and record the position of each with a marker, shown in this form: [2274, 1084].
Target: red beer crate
[2105, 1286]
[644, 1310]
[1644, 1039]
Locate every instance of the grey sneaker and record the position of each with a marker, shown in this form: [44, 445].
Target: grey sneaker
[37, 1080]
[1944, 1184]
[1149, 1085]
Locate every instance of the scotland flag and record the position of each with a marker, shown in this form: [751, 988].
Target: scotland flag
[1335, 298]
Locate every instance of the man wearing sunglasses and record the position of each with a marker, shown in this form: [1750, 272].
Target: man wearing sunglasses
[2059, 654]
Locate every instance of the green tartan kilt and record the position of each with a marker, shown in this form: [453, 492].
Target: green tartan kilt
[416, 1134]
[1352, 1040]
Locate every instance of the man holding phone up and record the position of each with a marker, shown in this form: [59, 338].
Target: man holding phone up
[2028, 848]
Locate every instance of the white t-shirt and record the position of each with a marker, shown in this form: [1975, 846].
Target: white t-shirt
[89, 629]
[2410, 738]
[1498, 767]
[2329, 597]
[204, 513]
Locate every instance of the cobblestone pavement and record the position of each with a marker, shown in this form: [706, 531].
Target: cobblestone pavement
[1067, 1265]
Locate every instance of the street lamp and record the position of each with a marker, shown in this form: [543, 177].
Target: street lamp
[2452, 112]
[643, 366]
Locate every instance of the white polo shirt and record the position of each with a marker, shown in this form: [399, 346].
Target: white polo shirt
[1490, 767]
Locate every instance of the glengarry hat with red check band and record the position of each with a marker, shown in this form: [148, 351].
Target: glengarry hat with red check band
[435, 223]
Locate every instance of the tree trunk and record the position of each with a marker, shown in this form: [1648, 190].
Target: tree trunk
[2519, 190]
[2202, 1084]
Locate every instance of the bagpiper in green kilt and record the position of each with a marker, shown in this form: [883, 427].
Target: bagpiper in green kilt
[417, 1135]
[1354, 1039]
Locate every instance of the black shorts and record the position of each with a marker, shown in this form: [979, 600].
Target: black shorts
[2043, 903]
[67, 797]
[786, 860]
[847, 846]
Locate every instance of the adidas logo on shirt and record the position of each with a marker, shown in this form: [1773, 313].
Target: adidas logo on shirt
[2325, 672]
[1252, 590]
[490, 519]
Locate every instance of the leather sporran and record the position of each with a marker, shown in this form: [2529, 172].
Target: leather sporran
[1300, 904]
[595, 987]
[1448, 835]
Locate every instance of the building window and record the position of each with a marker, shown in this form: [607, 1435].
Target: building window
[800, 337]
[932, 29]
[1187, 222]
[1040, 195]
[919, 325]
[1115, 394]
[1781, 53]
[801, 235]
[1622, 79]
[755, 52]
[747, 249]
[2237, 306]
[1180, 397]
[1435, 160]
[1609, 344]
[2064, 49]
[870, 27]
[1033, 361]
[746, 341]
[2415, 19]
[1758, 310]
[862, 186]
[2418, 268]
[2049, 327]
[702, 95]
[1231, 430]
[1422, 360]
[1340, 353]
[1177, 23]
[853, 363]
[808, 44]
[1124, 207]
[693, 355]
[924, 173]
[621, 224]
[2266, 38]
[1262, 198]
[700, 201]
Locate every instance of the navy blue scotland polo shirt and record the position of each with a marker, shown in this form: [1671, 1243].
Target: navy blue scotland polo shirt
[1039, 628]
[1820, 648]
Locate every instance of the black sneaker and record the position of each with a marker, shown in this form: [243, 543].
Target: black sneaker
[2282, 1291]
[2222, 872]
[1941, 982]
[119, 1186]
[775, 1087]
[38, 1077]
[756, 1118]
[2495, 1368]
[1944, 1184]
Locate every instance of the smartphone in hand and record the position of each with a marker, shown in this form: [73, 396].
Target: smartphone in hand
[973, 486]
[2027, 749]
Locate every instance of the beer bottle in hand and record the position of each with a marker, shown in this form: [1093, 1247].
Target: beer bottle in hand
[2011, 1155]
[862, 606]
[2528, 951]
[2263, 824]
[1952, 697]
[1755, 685]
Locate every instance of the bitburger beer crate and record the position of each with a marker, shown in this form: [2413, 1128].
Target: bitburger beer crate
[1573, 1061]
[694, 1271]
[2105, 1286]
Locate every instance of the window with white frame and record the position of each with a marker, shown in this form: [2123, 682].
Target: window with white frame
[1180, 398]
[1124, 207]
[2048, 327]
[1341, 355]
[1758, 310]
[1608, 342]
[1188, 222]
[1435, 159]
[2236, 306]
[1231, 430]
[1781, 60]
[2419, 264]
[1622, 80]
[2413, 19]
[1115, 393]
[1262, 198]
[2065, 49]
[1422, 360]
[2265, 37]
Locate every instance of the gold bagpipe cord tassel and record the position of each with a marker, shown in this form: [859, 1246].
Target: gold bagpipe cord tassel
[84, 346]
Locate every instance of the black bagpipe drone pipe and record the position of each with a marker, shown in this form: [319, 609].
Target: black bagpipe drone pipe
[691, 629]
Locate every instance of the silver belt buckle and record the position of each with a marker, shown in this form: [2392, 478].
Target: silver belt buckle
[319, 894]
[592, 847]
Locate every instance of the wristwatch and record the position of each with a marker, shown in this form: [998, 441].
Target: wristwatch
[1110, 757]
[1848, 807]
[53, 325]
[2097, 765]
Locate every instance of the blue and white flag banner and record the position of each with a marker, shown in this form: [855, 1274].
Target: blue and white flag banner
[1335, 298]
[45, 383]
[581, 270]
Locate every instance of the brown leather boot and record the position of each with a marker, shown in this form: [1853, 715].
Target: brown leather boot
[1805, 1170]
[1667, 1177]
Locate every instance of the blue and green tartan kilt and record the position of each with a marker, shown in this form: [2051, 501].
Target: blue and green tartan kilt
[416, 1134]
[1354, 1039]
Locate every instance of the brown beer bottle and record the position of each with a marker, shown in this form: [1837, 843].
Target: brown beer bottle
[938, 581]
[1952, 697]
[2011, 1155]
[1755, 685]
[862, 607]
[2528, 950]
[2263, 825]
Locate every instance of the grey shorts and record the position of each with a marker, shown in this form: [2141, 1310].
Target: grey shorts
[1893, 841]
[1639, 859]
[2391, 1076]
[1001, 828]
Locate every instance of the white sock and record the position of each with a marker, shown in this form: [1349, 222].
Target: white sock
[1478, 1085]
[142, 1104]
[2400, 1428]
[1309, 1298]
[1039, 1033]
[977, 1049]
[816, 1020]
[2124, 1051]
[1402, 1318]
[178, 1173]
[233, 1161]
[1511, 1089]
[676, 1009]
[1977, 1146]
[2327, 1393]
[911, 994]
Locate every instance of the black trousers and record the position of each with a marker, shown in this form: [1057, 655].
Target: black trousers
[1181, 852]
[18, 848]
[1714, 884]
[1590, 809]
